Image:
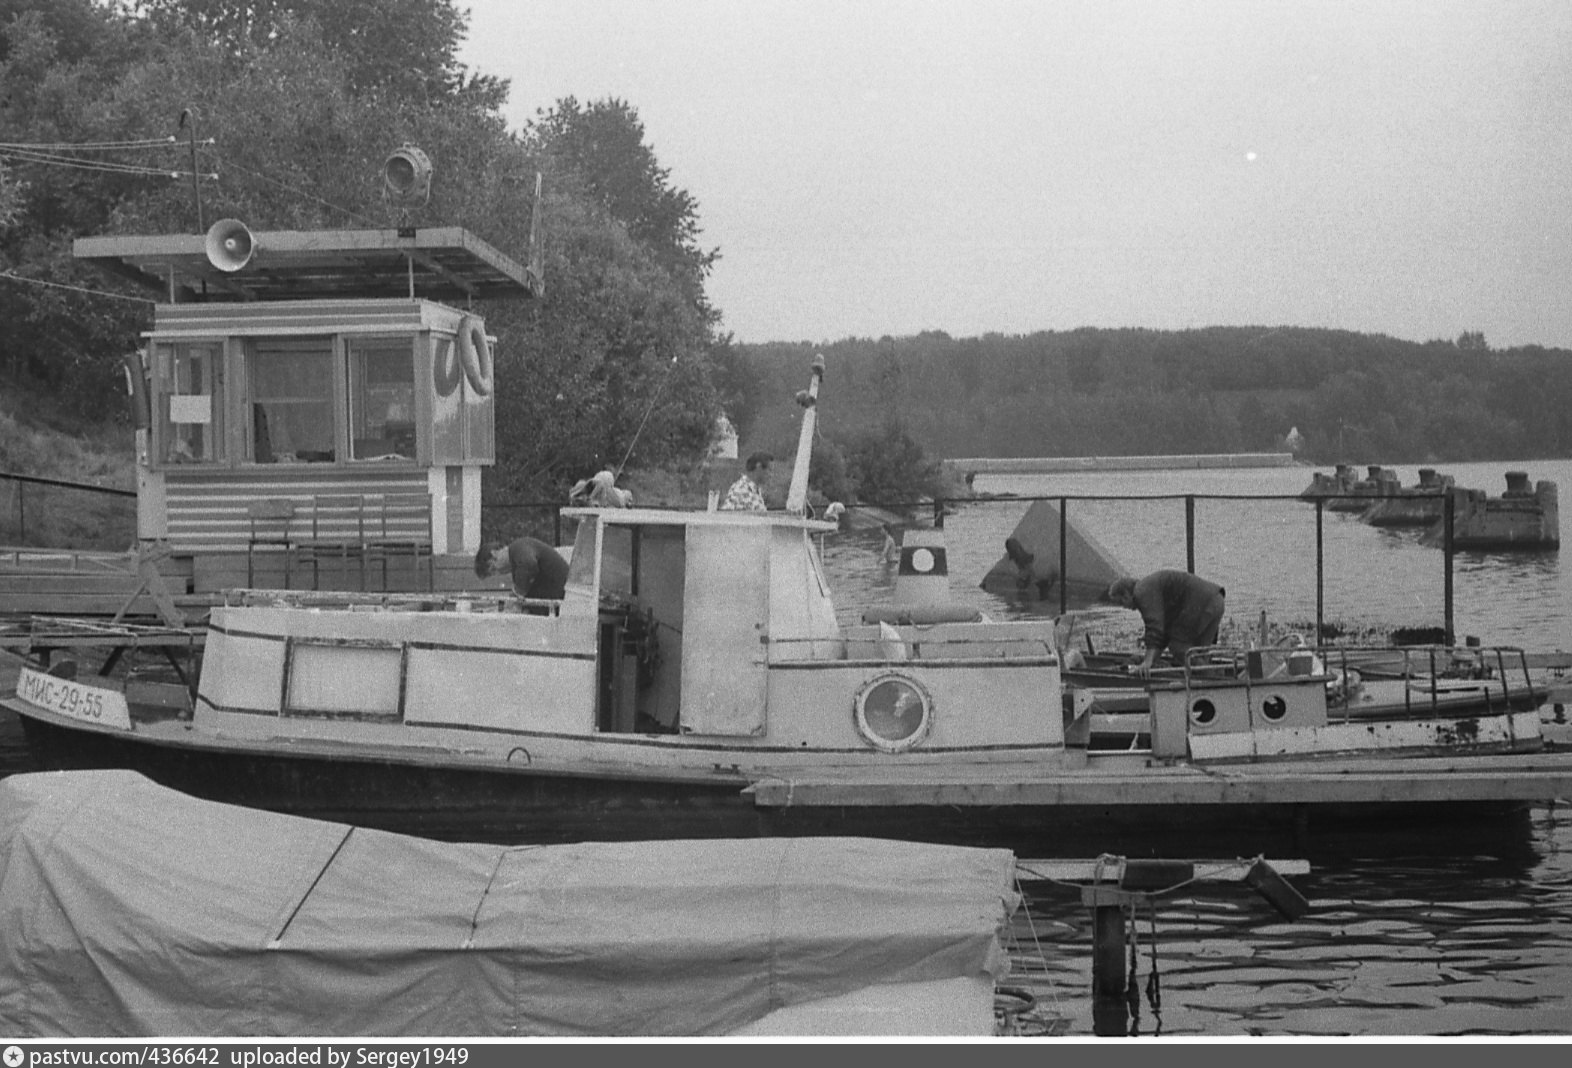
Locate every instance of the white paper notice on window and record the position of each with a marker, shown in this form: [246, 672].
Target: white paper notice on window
[195, 408]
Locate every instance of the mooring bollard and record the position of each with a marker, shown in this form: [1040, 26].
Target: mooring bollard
[1108, 904]
[1134, 884]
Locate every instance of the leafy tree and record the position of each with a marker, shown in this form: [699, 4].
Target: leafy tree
[620, 344]
[888, 466]
[602, 145]
[407, 48]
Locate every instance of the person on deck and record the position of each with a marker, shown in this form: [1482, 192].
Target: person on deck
[1181, 611]
[891, 552]
[600, 491]
[746, 494]
[1027, 579]
[538, 570]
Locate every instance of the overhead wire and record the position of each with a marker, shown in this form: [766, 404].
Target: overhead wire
[229, 163]
[55, 153]
[46, 146]
[67, 154]
[14, 277]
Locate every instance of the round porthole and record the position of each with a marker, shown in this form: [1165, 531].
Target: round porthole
[922, 561]
[894, 713]
[1274, 708]
[1203, 712]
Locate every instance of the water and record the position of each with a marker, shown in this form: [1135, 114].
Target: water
[1400, 941]
[1263, 551]
[1407, 936]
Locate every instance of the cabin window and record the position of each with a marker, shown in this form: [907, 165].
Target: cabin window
[894, 713]
[291, 393]
[190, 431]
[381, 400]
[618, 570]
[586, 551]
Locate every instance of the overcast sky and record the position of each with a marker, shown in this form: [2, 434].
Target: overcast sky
[872, 167]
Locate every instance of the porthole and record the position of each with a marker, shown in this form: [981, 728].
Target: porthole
[893, 712]
[922, 561]
[1203, 713]
[1274, 708]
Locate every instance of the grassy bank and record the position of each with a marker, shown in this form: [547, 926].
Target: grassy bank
[38, 439]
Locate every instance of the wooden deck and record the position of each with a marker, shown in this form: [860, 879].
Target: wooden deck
[1129, 780]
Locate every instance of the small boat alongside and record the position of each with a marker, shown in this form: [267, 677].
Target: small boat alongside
[132, 910]
[1387, 691]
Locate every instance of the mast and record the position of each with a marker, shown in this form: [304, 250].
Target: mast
[797, 495]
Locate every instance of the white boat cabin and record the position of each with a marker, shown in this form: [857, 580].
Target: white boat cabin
[679, 629]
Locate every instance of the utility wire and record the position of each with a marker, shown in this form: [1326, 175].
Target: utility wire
[95, 146]
[102, 166]
[75, 289]
[231, 164]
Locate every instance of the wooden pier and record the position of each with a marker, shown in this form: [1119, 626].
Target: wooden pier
[1135, 781]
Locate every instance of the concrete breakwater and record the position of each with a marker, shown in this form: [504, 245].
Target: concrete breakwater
[1033, 465]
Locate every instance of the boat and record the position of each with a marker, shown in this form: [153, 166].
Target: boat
[693, 680]
[1379, 482]
[1419, 505]
[1338, 483]
[1389, 689]
[1522, 518]
[131, 910]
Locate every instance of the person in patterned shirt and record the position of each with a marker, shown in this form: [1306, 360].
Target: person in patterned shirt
[745, 494]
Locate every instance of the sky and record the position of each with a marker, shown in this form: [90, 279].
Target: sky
[885, 167]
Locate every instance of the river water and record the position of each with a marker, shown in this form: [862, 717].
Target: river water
[1254, 538]
[1464, 933]
[1451, 934]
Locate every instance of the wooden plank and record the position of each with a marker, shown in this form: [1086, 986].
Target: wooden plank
[1529, 777]
[79, 604]
[44, 583]
[1112, 871]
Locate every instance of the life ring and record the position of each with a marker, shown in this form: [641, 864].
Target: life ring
[474, 351]
[136, 389]
[445, 369]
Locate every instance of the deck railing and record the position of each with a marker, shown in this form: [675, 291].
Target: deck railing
[54, 513]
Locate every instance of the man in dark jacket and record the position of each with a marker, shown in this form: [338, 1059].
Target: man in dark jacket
[1180, 610]
[537, 569]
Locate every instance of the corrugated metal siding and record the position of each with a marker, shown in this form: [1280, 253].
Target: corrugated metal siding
[208, 512]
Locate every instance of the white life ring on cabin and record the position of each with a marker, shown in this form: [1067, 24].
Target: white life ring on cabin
[474, 350]
[445, 368]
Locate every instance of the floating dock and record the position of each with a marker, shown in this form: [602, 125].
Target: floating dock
[1042, 465]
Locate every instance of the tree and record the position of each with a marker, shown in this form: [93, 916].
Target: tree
[886, 466]
[406, 48]
[602, 145]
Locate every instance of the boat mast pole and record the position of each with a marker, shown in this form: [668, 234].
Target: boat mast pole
[797, 495]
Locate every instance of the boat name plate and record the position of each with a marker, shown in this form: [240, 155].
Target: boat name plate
[90, 704]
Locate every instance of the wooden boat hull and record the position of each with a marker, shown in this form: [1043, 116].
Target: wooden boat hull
[1122, 806]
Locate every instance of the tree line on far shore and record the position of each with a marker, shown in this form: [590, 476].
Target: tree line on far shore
[1351, 397]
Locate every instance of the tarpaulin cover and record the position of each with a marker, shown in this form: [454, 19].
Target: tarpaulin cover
[130, 909]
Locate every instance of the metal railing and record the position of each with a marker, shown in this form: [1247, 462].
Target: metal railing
[941, 507]
[48, 521]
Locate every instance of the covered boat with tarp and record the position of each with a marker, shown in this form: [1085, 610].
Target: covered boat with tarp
[128, 909]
